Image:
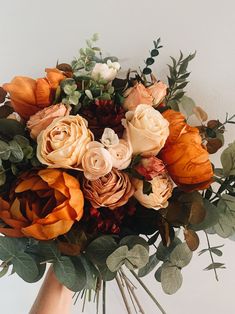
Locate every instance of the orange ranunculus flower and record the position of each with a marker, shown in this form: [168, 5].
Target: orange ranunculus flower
[43, 205]
[185, 158]
[28, 96]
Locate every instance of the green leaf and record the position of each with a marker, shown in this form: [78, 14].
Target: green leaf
[99, 249]
[82, 275]
[147, 71]
[9, 128]
[215, 266]
[217, 252]
[211, 218]
[152, 263]
[4, 271]
[157, 274]
[90, 271]
[48, 250]
[9, 247]
[3, 176]
[5, 151]
[137, 257]
[106, 274]
[17, 154]
[186, 105]
[171, 278]
[181, 255]
[228, 160]
[149, 61]
[163, 252]
[117, 258]
[154, 53]
[132, 240]
[147, 187]
[65, 272]
[25, 266]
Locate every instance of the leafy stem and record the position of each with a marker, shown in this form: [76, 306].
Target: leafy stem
[211, 256]
[178, 77]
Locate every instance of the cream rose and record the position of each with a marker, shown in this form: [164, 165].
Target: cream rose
[121, 154]
[146, 129]
[63, 143]
[40, 120]
[162, 187]
[158, 91]
[96, 162]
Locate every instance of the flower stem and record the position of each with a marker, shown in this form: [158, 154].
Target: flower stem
[148, 292]
[123, 294]
[212, 259]
[104, 297]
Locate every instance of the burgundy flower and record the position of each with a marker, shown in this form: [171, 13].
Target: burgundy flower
[103, 114]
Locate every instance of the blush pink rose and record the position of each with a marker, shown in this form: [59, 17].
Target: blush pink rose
[158, 91]
[150, 167]
[137, 95]
[43, 118]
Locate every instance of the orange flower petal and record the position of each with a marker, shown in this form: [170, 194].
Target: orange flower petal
[43, 91]
[54, 77]
[48, 232]
[12, 233]
[34, 183]
[55, 180]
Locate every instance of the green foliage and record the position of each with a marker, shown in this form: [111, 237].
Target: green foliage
[150, 60]
[228, 160]
[171, 277]
[163, 252]
[152, 263]
[177, 79]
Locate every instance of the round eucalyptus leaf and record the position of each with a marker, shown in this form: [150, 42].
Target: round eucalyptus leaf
[137, 257]
[163, 252]
[152, 263]
[181, 255]
[171, 279]
[117, 258]
[17, 154]
[157, 274]
[132, 240]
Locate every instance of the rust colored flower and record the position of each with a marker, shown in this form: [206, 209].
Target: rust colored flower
[112, 190]
[185, 158]
[103, 114]
[43, 205]
[150, 167]
[28, 96]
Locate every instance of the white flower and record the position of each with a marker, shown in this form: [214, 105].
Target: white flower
[121, 154]
[109, 138]
[96, 162]
[106, 71]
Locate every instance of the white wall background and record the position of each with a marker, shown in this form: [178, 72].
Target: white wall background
[34, 34]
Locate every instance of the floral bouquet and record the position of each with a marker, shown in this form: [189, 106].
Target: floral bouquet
[106, 175]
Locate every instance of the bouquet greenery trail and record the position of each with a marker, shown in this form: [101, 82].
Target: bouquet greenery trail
[108, 177]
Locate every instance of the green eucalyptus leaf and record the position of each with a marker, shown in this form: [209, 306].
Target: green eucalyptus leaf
[215, 266]
[132, 240]
[91, 272]
[117, 258]
[10, 247]
[82, 275]
[25, 266]
[228, 160]
[99, 249]
[186, 106]
[181, 255]
[106, 274]
[5, 150]
[157, 274]
[3, 176]
[9, 128]
[17, 154]
[171, 278]
[163, 252]
[152, 263]
[137, 257]
[65, 272]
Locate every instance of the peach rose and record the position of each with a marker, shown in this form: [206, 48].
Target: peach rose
[63, 143]
[137, 95]
[161, 191]
[40, 120]
[158, 91]
[150, 167]
[112, 190]
[121, 154]
[28, 96]
[43, 205]
[96, 162]
[146, 129]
